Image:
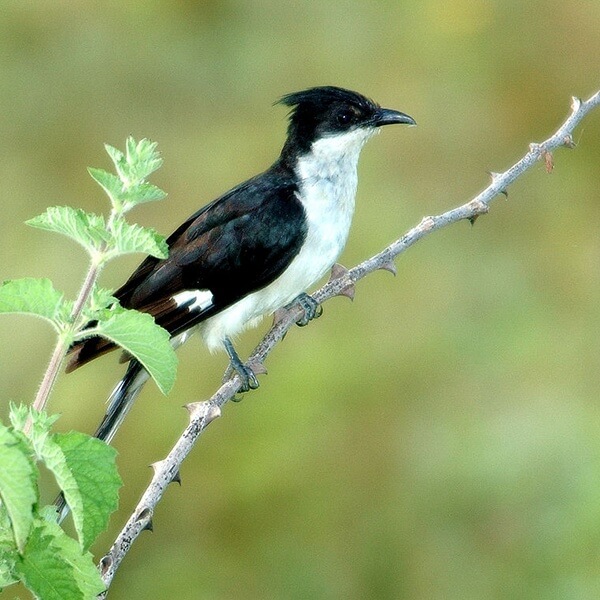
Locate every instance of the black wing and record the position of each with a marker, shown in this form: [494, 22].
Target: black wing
[234, 246]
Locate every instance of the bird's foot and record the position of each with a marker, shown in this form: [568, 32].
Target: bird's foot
[312, 309]
[246, 374]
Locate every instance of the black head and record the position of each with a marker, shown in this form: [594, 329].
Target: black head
[326, 111]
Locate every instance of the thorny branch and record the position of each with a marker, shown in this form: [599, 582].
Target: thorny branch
[341, 283]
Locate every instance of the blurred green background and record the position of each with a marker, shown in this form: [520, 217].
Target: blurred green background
[438, 438]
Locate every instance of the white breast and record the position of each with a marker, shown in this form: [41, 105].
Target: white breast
[327, 191]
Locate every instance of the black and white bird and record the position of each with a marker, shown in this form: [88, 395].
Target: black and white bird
[258, 247]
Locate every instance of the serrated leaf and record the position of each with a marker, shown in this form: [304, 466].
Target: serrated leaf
[8, 550]
[142, 158]
[85, 470]
[139, 161]
[54, 568]
[87, 229]
[119, 161]
[138, 334]
[82, 563]
[41, 422]
[33, 296]
[110, 183]
[18, 483]
[101, 298]
[143, 192]
[128, 238]
[18, 414]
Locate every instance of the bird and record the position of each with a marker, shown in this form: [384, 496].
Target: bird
[258, 247]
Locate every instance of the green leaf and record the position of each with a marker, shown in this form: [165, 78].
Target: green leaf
[128, 238]
[142, 158]
[139, 161]
[110, 183]
[142, 192]
[41, 422]
[54, 568]
[138, 334]
[85, 470]
[18, 483]
[35, 297]
[86, 229]
[100, 298]
[8, 550]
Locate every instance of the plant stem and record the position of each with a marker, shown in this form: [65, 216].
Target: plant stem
[53, 369]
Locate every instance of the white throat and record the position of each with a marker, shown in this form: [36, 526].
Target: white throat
[327, 188]
[333, 158]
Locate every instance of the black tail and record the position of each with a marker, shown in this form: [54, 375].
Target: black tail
[119, 403]
[121, 400]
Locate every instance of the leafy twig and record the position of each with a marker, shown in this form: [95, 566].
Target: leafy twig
[341, 283]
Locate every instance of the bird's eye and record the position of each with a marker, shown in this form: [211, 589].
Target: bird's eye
[345, 117]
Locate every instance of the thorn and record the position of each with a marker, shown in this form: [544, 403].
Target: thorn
[348, 292]
[337, 272]
[258, 367]
[203, 410]
[105, 564]
[473, 219]
[575, 103]
[497, 176]
[568, 141]
[548, 160]
[156, 465]
[176, 478]
[149, 526]
[390, 267]
[145, 514]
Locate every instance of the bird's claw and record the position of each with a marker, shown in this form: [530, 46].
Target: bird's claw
[312, 309]
[247, 376]
[249, 380]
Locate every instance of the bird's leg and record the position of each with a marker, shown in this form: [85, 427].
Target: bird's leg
[249, 380]
[312, 309]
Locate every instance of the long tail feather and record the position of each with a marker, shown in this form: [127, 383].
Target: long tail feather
[121, 400]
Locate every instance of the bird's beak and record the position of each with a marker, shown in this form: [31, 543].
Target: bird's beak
[387, 116]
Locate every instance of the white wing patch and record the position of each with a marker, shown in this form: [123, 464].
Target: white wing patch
[194, 299]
